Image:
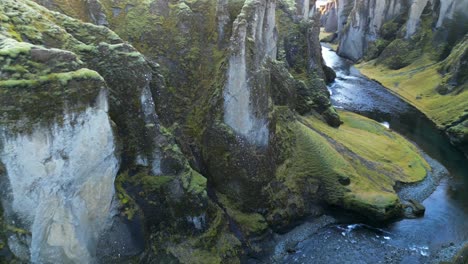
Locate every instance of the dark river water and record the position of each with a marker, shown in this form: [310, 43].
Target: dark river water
[430, 239]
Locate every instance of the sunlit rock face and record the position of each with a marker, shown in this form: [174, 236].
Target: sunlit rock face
[60, 184]
[245, 95]
[329, 20]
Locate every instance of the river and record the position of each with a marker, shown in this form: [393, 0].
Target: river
[430, 239]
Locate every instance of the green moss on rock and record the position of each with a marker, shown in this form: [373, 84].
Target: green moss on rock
[215, 245]
[11, 48]
[459, 136]
[67, 63]
[304, 163]
[128, 204]
[335, 166]
[398, 54]
[455, 65]
[194, 182]
[250, 223]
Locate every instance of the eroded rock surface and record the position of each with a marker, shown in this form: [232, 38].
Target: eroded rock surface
[219, 125]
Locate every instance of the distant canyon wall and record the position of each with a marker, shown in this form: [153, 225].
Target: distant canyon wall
[360, 22]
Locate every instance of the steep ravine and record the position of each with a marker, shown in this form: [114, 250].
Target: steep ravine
[445, 207]
[420, 240]
[415, 48]
[181, 132]
[367, 22]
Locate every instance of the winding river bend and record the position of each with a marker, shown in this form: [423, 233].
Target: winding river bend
[430, 239]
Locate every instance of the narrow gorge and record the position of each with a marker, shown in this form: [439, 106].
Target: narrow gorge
[233, 131]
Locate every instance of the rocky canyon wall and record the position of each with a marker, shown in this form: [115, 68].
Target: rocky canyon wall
[78, 113]
[361, 23]
[204, 128]
[245, 95]
[412, 34]
[59, 184]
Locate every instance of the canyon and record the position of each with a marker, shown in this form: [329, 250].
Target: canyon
[164, 131]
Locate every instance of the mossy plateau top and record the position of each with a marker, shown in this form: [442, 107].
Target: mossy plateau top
[354, 166]
[390, 153]
[42, 73]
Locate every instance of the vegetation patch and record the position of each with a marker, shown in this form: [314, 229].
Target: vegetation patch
[128, 204]
[194, 182]
[391, 154]
[398, 54]
[354, 166]
[329, 37]
[417, 84]
[215, 245]
[250, 223]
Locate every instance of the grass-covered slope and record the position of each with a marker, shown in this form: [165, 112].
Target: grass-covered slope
[417, 84]
[388, 151]
[354, 166]
[423, 85]
[428, 69]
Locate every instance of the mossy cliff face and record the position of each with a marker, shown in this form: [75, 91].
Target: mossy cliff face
[436, 88]
[359, 31]
[52, 70]
[430, 74]
[246, 95]
[243, 149]
[88, 11]
[455, 83]
[54, 110]
[298, 36]
[204, 49]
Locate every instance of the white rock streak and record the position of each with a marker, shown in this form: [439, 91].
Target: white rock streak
[241, 110]
[61, 183]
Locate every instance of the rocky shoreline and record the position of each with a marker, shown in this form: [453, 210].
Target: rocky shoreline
[413, 194]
